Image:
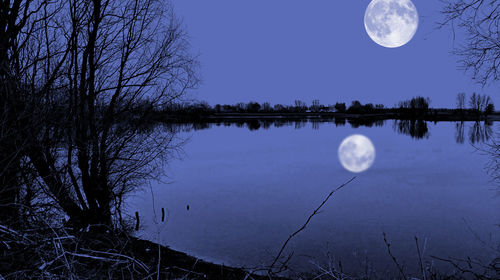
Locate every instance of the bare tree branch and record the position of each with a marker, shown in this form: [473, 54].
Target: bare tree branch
[314, 213]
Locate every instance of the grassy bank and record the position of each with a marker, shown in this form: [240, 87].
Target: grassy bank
[58, 253]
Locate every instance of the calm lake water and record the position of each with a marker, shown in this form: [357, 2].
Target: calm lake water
[249, 189]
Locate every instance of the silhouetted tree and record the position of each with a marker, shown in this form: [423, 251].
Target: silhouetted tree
[300, 106]
[490, 109]
[485, 102]
[416, 105]
[315, 106]
[340, 107]
[279, 108]
[109, 59]
[461, 101]
[355, 107]
[474, 102]
[266, 107]
[479, 103]
[121, 53]
[253, 107]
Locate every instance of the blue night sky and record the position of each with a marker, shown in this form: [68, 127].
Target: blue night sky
[283, 50]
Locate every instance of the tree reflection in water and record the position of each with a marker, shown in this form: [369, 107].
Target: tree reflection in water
[485, 141]
[459, 132]
[480, 132]
[417, 129]
[493, 167]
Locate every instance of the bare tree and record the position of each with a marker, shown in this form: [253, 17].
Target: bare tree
[300, 106]
[475, 102]
[479, 103]
[480, 20]
[91, 66]
[121, 53]
[461, 101]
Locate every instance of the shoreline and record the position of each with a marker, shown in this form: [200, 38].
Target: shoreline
[179, 264]
[436, 116]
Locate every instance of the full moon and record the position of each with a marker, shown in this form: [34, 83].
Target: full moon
[391, 23]
[356, 153]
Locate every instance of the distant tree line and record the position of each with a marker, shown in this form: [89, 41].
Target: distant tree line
[478, 104]
[298, 106]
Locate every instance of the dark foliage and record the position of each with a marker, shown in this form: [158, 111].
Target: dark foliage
[340, 107]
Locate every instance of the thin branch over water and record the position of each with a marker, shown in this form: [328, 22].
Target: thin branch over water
[314, 213]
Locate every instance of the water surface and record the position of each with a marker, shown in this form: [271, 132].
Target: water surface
[249, 189]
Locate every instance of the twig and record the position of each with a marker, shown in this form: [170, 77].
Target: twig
[420, 260]
[247, 276]
[314, 213]
[95, 257]
[459, 268]
[185, 270]
[139, 263]
[478, 238]
[8, 230]
[388, 245]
